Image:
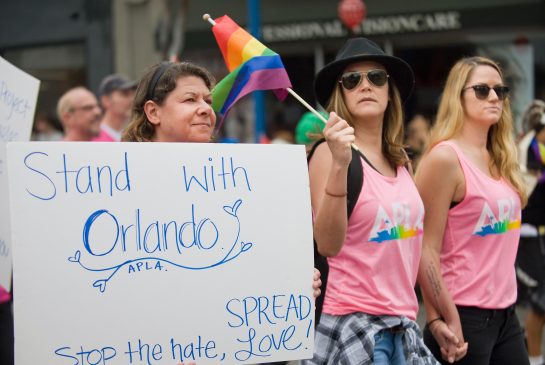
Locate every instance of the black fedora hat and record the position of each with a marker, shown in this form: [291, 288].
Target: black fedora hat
[357, 50]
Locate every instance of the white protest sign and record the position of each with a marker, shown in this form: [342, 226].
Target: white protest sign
[156, 253]
[18, 96]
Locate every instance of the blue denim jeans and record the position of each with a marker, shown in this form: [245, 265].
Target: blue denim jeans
[388, 348]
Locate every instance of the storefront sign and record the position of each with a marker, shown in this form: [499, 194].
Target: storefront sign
[371, 26]
[414, 23]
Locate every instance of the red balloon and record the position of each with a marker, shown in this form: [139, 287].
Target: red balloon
[352, 12]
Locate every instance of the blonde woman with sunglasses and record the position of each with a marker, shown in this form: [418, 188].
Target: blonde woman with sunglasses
[472, 190]
[370, 305]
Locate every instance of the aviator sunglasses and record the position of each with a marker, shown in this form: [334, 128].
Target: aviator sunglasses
[482, 91]
[351, 80]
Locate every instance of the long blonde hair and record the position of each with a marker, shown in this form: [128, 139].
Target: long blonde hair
[392, 127]
[500, 140]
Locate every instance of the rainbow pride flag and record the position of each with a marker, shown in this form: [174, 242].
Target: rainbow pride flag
[252, 67]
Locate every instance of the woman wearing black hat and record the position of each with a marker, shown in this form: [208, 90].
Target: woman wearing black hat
[370, 305]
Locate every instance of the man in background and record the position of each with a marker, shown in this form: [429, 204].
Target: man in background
[80, 114]
[116, 95]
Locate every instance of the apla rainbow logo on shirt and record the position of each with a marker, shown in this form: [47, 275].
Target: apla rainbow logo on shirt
[396, 233]
[498, 227]
[400, 227]
[488, 223]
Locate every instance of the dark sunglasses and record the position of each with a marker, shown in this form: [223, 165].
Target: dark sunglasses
[482, 91]
[351, 80]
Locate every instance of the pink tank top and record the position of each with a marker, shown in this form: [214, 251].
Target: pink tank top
[481, 240]
[375, 271]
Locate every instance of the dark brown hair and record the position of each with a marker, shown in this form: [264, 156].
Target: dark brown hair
[156, 84]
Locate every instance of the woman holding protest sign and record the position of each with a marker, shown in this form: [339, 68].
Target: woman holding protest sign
[173, 104]
[370, 305]
[470, 183]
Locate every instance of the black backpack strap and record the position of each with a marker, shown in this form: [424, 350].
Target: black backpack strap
[354, 181]
[313, 148]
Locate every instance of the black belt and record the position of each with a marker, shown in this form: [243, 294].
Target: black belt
[396, 329]
[491, 312]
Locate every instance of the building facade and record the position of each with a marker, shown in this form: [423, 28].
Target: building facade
[70, 42]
